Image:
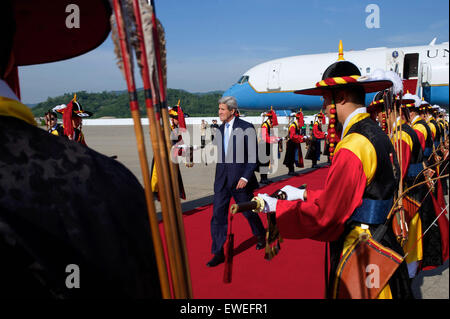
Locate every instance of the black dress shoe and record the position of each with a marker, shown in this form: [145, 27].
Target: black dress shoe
[261, 243]
[292, 174]
[216, 260]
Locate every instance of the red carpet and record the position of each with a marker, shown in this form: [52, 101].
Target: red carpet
[296, 272]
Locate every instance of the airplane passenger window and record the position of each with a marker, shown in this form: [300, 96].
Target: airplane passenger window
[368, 70]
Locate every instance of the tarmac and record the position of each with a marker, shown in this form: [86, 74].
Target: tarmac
[120, 141]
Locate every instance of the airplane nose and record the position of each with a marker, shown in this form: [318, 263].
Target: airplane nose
[231, 91]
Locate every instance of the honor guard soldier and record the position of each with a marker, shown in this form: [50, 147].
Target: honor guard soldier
[73, 115]
[434, 127]
[177, 125]
[53, 126]
[358, 192]
[418, 123]
[317, 136]
[267, 140]
[294, 154]
[410, 155]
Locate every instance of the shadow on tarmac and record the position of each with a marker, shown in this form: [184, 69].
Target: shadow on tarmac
[418, 280]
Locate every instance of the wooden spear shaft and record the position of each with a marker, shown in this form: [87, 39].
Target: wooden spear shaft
[134, 107]
[161, 163]
[173, 167]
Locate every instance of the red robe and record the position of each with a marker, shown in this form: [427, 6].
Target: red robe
[323, 216]
[296, 138]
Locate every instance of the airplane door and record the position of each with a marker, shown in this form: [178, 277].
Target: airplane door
[394, 61]
[425, 73]
[424, 80]
[273, 82]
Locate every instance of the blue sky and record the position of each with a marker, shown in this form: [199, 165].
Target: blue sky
[210, 43]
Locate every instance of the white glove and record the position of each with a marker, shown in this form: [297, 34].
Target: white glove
[293, 193]
[270, 203]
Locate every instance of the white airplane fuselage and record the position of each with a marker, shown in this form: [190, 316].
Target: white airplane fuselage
[272, 83]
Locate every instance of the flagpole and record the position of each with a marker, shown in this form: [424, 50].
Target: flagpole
[134, 107]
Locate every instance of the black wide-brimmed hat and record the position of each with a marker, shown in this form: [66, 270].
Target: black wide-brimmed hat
[74, 107]
[48, 30]
[78, 110]
[377, 102]
[344, 74]
[408, 99]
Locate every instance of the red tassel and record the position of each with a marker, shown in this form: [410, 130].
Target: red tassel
[301, 121]
[229, 251]
[274, 119]
[67, 120]
[181, 121]
[228, 272]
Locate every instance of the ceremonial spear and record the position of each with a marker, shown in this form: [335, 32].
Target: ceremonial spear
[150, 42]
[125, 64]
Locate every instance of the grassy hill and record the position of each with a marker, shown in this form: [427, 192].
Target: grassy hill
[116, 103]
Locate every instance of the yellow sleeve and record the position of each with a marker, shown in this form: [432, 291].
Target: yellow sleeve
[364, 150]
[433, 129]
[421, 129]
[405, 138]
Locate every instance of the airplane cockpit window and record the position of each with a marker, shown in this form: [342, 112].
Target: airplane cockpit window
[368, 70]
[243, 79]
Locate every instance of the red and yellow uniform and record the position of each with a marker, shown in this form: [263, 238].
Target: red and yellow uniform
[360, 185]
[362, 169]
[175, 113]
[266, 142]
[294, 154]
[424, 134]
[408, 145]
[317, 135]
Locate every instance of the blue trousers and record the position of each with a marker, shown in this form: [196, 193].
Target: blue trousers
[219, 220]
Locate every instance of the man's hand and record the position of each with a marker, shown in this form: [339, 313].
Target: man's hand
[241, 184]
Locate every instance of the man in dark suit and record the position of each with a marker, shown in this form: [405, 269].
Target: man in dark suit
[235, 176]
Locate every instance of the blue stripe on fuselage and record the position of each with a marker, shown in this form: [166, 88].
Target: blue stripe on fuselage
[436, 95]
[248, 98]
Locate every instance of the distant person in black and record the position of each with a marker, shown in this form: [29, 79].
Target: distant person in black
[214, 126]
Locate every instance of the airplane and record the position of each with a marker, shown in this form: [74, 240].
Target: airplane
[425, 70]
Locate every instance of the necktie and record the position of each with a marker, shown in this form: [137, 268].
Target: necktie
[226, 137]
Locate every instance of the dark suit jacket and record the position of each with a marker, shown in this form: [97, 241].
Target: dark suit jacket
[241, 159]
